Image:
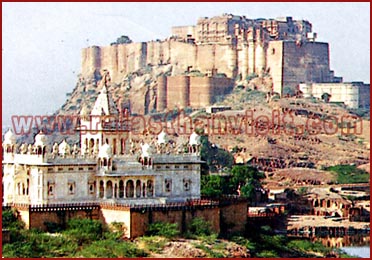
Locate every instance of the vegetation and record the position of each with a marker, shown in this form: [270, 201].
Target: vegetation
[216, 158]
[81, 238]
[199, 227]
[244, 179]
[168, 230]
[96, 241]
[347, 174]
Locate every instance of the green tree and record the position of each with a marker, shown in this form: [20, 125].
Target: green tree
[84, 231]
[213, 186]
[216, 158]
[247, 179]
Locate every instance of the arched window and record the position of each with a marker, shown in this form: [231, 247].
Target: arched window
[121, 189]
[109, 190]
[150, 189]
[143, 190]
[104, 162]
[138, 188]
[130, 189]
[101, 189]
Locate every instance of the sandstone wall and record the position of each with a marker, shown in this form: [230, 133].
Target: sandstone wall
[110, 215]
[234, 217]
[141, 220]
[37, 219]
[274, 57]
[308, 62]
[288, 62]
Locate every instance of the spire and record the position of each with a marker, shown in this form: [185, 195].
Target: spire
[104, 103]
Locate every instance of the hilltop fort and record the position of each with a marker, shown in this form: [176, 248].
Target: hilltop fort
[207, 58]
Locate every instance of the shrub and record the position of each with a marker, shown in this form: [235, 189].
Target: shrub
[200, 227]
[111, 249]
[84, 230]
[164, 229]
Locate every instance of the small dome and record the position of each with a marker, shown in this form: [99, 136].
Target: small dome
[105, 151]
[40, 139]
[146, 150]
[64, 147]
[162, 138]
[9, 137]
[194, 139]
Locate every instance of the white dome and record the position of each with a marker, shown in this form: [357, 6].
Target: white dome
[40, 139]
[105, 151]
[146, 150]
[9, 137]
[194, 139]
[162, 138]
[64, 147]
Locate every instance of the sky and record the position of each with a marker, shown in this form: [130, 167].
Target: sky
[42, 42]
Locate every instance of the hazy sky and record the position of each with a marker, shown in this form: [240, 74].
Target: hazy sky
[42, 42]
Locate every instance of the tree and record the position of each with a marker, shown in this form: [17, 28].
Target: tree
[213, 186]
[215, 157]
[246, 179]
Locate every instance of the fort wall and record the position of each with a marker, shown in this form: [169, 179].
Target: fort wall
[354, 95]
[226, 217]
[184, 91]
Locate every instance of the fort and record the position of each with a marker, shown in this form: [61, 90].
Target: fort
[237, 46]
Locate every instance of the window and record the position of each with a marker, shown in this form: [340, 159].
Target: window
[273, 51]
[50, 169]
[91, 187]
[168, 185]
[71, 169]
[150, 188]
[186, 184]
[51, 189]
[71, 187]
[81, 169]
[176, 166]
[90, 168]
[186, 167]
[60, 169]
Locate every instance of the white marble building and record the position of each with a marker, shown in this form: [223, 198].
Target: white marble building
[101, 170]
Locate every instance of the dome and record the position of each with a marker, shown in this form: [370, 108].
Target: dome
[9, 137]
[194, 139]
[146, 150]
[105, 151]
[64, 147]
[40, 139]
[162, 138]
